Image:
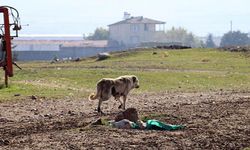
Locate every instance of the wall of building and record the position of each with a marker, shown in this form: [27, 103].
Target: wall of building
[34, 55]
[120, 33]
[132, 34]
[64, 52]
[77, 52]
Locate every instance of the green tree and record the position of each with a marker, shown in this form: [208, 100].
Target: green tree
[100, 34]
[177, 35]
[182, 36]
[210, 41]
[235, 38]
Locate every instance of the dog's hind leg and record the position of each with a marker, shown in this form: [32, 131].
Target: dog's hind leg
[99, 107]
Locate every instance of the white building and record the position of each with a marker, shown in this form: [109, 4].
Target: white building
[135, 30]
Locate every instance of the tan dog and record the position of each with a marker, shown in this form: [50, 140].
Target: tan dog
[118, 87]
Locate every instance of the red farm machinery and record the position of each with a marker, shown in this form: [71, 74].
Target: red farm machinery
[6, 61]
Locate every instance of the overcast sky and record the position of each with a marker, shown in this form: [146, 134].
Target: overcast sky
[84, 16]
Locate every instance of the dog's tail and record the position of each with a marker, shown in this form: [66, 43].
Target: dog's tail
[93, 96]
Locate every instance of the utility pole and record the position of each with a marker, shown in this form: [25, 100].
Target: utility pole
[231, 26]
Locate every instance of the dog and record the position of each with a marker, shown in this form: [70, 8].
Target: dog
[118, 87]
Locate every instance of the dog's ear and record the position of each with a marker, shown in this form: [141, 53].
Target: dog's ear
[112, 82]
[134, 79]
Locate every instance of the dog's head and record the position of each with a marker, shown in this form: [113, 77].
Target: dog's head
[135, 81]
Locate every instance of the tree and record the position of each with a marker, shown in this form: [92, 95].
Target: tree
[100, 34]
[210, 41]
[235, 38]
[181, 36]
[178, 35]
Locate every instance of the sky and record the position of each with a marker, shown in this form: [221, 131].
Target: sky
[78, 17]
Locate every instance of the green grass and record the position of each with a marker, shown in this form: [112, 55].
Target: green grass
[175, 70]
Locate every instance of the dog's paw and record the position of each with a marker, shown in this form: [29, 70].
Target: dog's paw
[101, 113]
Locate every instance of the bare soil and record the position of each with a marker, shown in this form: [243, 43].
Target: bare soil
[213, 120]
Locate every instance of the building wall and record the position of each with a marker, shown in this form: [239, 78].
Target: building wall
[120, 33]
[34, 55]
[78, 52]
[132, 34]
[36, 47]
[64, 52]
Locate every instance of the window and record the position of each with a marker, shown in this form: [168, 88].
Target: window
[134, 27]
[145, 27]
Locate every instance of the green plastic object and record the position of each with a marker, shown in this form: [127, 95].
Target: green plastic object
[135, 126]
[157, 125]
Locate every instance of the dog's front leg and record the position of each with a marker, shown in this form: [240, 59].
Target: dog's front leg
[118, 99]
[124, 102]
